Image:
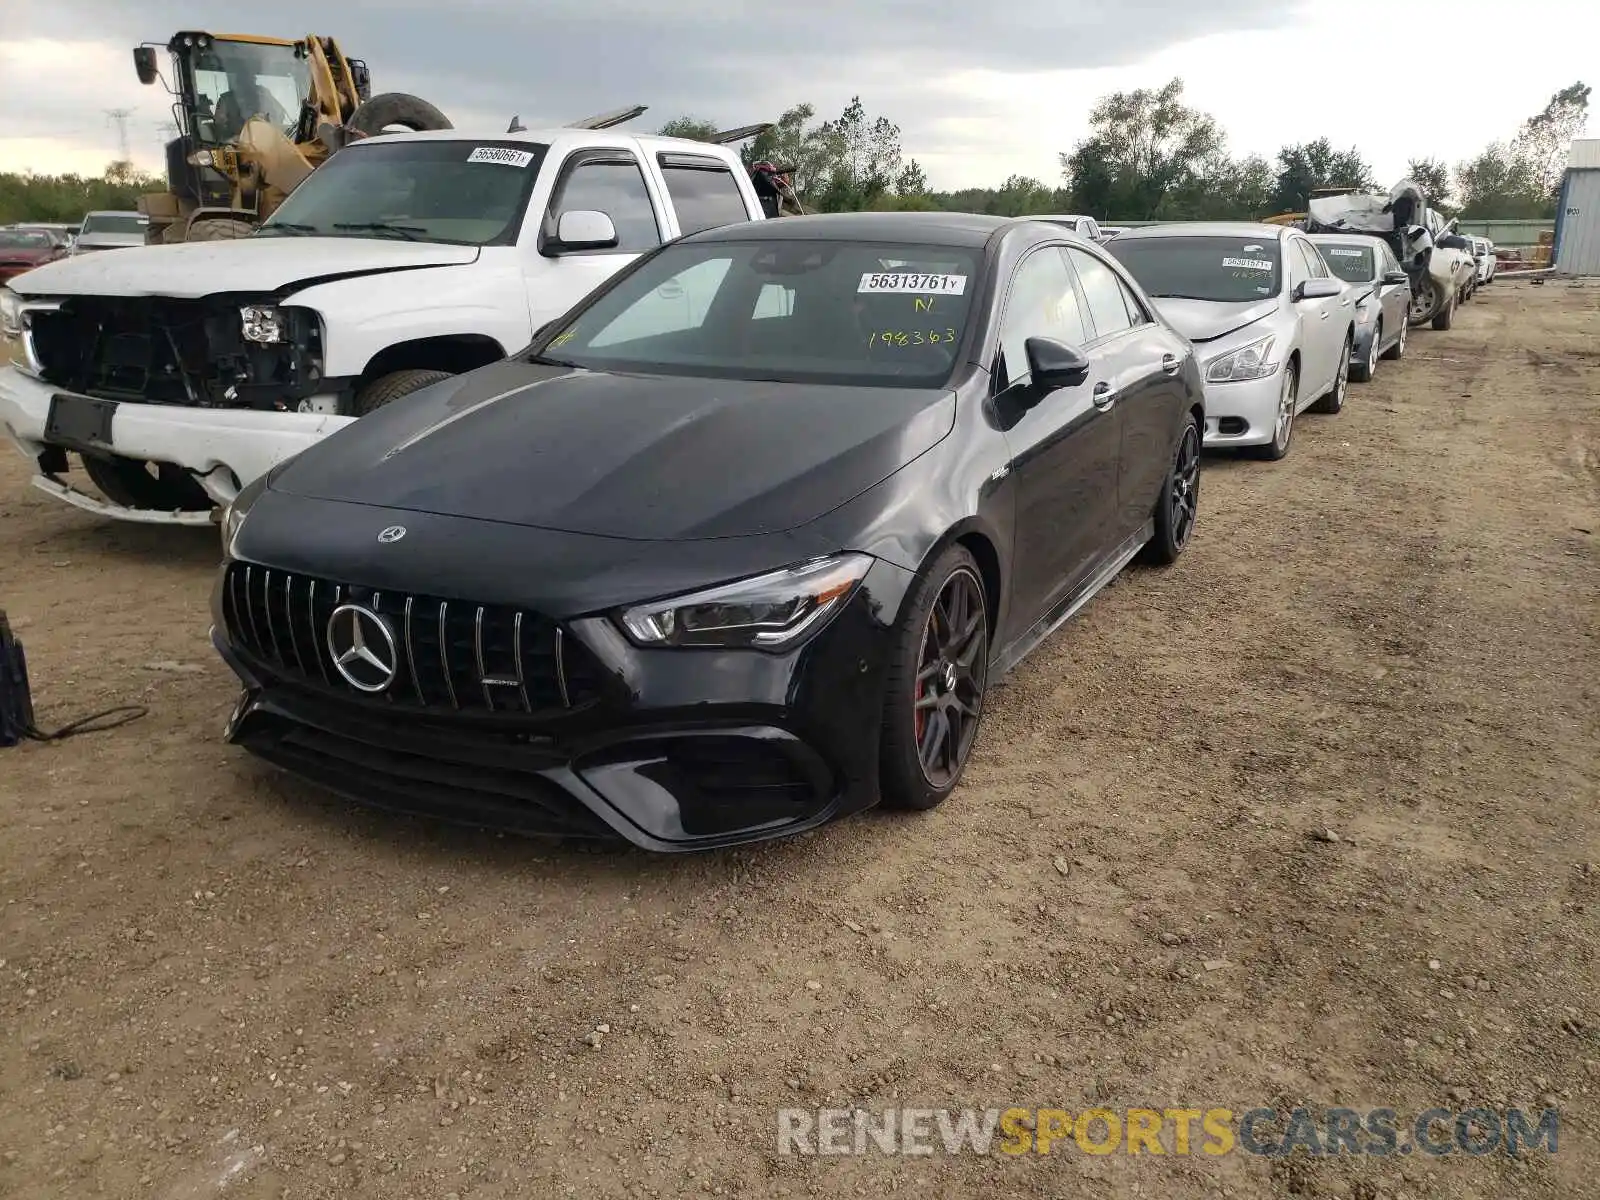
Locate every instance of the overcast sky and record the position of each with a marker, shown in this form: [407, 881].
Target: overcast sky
[979, 90]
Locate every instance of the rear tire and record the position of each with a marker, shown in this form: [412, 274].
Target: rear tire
[161, 487]
[929, 653]
[1177, 508]
[215, 229]
[388, 388]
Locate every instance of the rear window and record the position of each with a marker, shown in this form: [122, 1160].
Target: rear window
[130, 223]
[1222, 269]
[790, 311]
[1351, 262]
[704, 197]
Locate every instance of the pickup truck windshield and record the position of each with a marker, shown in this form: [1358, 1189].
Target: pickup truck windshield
[840, 312]
[1224, 270]
[465, 193]
[113, 223]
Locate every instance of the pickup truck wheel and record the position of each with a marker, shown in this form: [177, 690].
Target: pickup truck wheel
[134, 484]
[387, 388]
[1424, 303]
[222, 229]
[1445, 316]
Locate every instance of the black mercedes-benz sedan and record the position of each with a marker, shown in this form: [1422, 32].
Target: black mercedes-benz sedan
[734, 548]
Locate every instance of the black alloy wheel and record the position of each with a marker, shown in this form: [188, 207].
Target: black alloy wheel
[937, 684]
[1178, 505]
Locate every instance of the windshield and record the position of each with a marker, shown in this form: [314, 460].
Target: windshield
[1223, 269]
[23, 239]
[1350, 261]
[461, 193]
[790, 311]
[113, 223]
[234, 81]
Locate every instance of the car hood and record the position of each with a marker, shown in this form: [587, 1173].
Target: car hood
[107, 241]
[1206, 320]
[257, 264]
[645, 457]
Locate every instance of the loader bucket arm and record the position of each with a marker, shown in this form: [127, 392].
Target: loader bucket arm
[742, 134]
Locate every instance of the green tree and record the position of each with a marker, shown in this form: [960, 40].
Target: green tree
[65, 198]
[808, 149]
[867, 163]
[1502, 184]
[1311, 165]
[1546, 136]
[1142, 145]
[912, 180]
[1433, 177]
[693, 128]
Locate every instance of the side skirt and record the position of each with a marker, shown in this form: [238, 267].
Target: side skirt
[1024, 645]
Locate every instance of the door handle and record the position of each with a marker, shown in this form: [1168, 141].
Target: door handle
[1103, 396]
[1169, 364]
[1323, 315]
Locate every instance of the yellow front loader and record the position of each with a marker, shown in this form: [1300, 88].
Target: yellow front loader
[255, 116]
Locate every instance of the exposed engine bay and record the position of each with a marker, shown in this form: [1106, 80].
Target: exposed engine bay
[223, 351]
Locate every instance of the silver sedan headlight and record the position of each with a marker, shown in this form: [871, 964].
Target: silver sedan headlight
[1250, 361]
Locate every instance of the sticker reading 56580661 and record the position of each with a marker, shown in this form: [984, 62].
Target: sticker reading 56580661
[503, 155]
[906, 281]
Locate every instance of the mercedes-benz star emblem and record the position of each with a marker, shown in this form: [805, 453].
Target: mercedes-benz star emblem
[362, 647]
[392, 534]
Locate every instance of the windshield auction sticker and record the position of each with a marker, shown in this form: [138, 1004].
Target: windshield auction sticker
[503, 155]
[906, 281]
[1249, 264]
[1343, 252]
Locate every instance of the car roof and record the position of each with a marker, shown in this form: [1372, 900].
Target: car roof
[1207, 229]
[1354, 236]
[1057, 217]
[545, 137]
[935, 228]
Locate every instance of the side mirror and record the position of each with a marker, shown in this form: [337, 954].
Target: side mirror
[1396, 277]
[1054, 364]
[144, 64]
[583, 229]
[1318, 289]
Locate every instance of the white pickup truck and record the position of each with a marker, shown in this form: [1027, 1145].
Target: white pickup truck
[178, 374]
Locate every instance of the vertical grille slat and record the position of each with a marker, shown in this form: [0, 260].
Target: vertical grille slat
[451, 654]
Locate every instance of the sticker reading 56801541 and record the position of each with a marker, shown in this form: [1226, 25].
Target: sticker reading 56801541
[906, 281]
[1249, 264]
[503, 155]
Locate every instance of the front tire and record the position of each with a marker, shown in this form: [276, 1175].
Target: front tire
[1425, 305]
[1398, 351]
[160, 487]
[1363, 371]
[937, 682]
[1445, 317]
[1332, 401]
[1177, 506]
[386, 389]
[1283, 426]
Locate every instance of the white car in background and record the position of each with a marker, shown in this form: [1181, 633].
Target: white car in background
[1483, 254]
[110, 231]
[1272, 325]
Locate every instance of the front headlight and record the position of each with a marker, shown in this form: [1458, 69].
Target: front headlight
[262, 323]
[766, 612]
[10, 313]
[232, 521]
[202, 158]
[1252, 361]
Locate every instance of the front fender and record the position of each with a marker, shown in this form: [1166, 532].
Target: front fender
[363, 317]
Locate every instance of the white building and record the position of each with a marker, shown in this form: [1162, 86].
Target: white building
[1577, 244]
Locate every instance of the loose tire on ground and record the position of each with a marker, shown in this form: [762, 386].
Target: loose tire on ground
[215, 229]
[397, 108]
[903, 780]
[388, 388]
[160, 487]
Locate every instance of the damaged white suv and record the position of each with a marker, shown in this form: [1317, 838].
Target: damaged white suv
[178, 374]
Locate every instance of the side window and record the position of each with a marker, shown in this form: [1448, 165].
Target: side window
[614, 186]
[1299, 265]
[1318, 268]
[1103, 292]
[679, 304]
[1041, 303]
[704, 197]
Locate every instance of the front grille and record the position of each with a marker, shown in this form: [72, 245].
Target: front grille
[452, 654]
[131, 349]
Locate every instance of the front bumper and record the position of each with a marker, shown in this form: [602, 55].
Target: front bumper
[670, 750]
[225, 448]
[1243, 412]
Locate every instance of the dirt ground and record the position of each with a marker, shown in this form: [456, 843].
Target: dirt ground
[218, 981]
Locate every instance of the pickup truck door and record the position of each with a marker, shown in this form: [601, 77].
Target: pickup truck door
[612, 181]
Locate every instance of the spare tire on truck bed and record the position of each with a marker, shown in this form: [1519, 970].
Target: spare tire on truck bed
[396, 108]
